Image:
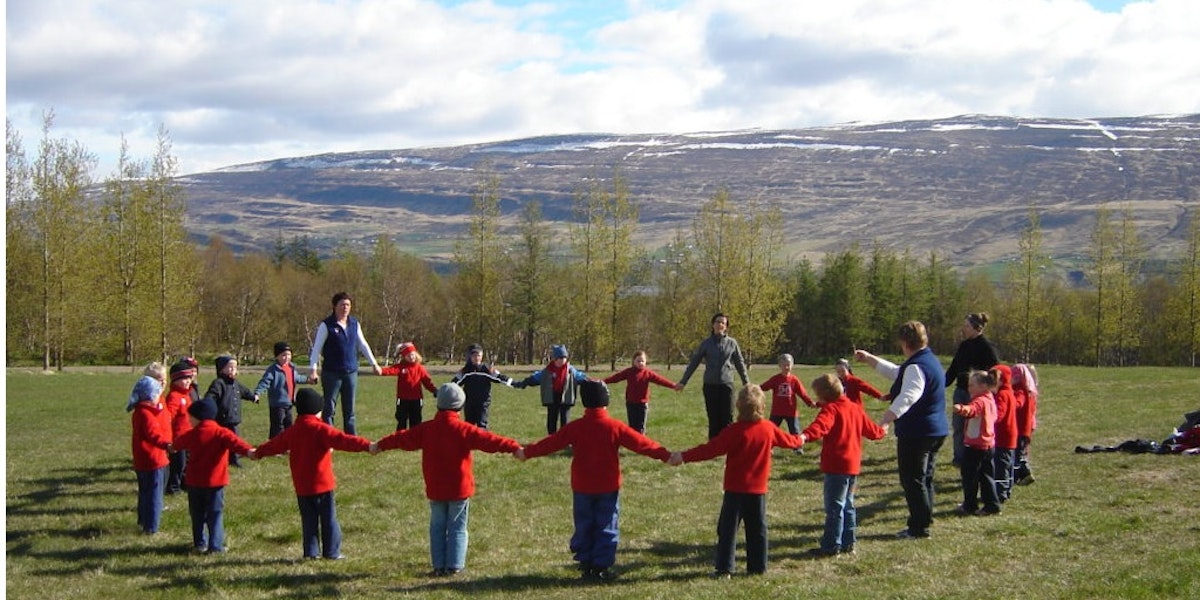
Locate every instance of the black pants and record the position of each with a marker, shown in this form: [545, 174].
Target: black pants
[475, 412]
[408, 414]
[281, 418]
[233, 458]
[718, 403]
[556, 416]
[979, 479]
[916, 458]
[175, 473]
[636, 412]
[737, 508]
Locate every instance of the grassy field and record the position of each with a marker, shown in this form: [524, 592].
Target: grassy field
[1092, 526]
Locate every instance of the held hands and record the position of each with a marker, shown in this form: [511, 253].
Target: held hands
[252, 454]
[519, 454]
[679, 387]
[676, 459]
[378, 369]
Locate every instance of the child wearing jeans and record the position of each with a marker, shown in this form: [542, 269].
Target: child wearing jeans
[308, 443]
[151, 440]
[208, 446]
[446, 443]
[979, 441]
[747, 445]
[596, 440]
[842, 423]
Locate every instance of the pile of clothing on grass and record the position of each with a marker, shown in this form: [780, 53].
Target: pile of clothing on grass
[1185, 439]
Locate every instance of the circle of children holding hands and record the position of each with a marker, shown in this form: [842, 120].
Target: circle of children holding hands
[179, 425]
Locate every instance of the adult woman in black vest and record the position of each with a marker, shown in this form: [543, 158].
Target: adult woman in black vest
[338, 341]
[975, 353]
[918, 410]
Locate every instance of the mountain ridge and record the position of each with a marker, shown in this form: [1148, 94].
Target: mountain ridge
[960, 186]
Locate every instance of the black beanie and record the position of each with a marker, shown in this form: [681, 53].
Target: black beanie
[309, 401]
[281, 347]
[594, 394]
[205, 410]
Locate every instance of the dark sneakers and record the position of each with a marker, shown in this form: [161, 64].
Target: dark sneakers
[907, 534]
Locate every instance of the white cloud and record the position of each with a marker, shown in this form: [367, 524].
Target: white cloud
[254, 80]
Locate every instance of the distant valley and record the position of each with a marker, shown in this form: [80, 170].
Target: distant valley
[960, 186]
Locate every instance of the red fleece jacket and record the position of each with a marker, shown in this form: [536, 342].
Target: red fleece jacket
[151, 435]
[410, 378]
[854, 388]
[843, 424]
[308, 444]
[784, 391]
[208, 445]
[595, 440]
[637, 386]
[747, 446]
[446, 443]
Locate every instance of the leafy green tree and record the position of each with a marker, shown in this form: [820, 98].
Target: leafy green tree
[1130, 258]
[1026, 319]
[174, 255]
[674, 306]
[479, 258]
[531, 279]
[61, 221]
[22, 319]
[1185, 301]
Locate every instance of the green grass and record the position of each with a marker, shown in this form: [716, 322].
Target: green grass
[1093, 526]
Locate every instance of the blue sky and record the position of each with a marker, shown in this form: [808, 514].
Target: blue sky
[249, 81]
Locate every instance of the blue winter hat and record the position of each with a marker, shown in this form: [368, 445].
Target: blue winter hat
[559, 351]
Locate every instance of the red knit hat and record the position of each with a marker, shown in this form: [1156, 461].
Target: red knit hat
[405, 348]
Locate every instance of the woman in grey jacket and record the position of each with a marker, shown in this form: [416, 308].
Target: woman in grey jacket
[721, 355]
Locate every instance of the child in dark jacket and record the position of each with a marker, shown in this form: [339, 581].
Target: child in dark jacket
[208, 445]
[227, 393]
[747, 445]
[411, 376]
[308, 443]
[476, 379]
[151, 440]
[842, 424]
[595, 439]
[446, 443]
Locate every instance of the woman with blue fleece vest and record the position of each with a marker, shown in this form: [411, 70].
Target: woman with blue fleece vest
[335, 349]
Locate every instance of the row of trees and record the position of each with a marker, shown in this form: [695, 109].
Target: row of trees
[106, 274]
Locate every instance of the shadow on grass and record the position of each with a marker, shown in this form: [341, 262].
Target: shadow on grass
[60, 484]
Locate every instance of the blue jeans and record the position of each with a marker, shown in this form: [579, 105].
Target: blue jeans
[207, 508]
[596, 529]
[793, 424]
[151, 485]
[916, 458]
[319, 526]
[735, 508]
[841, 519]
[448, 533]
[345, 384]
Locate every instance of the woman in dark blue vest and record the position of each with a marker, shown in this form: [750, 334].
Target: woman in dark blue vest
[918, 408]
[335, 348]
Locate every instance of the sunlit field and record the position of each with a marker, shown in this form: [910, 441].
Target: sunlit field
[1092, 526]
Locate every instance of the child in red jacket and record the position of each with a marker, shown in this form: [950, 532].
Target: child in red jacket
[747, 445]
[181, 395]
[308, 443]
[1006, 432]
[842, 424]
[637, 389]
[1026, 388]
[979, 441]
[411, 376]
[446, 443]
[151, 440]
[853, 386]
[596, 440]
[785, 388]
[208, 446]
